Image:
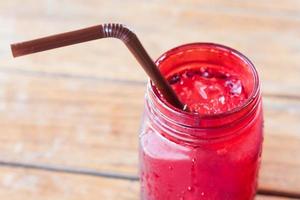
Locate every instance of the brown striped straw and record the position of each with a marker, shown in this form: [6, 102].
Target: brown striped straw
[97, 32]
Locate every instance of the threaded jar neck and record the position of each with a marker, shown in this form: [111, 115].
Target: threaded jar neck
[193, 127]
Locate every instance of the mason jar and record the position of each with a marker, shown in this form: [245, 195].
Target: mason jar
[193, 156]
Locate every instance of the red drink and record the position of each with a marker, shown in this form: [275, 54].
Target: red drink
[214, 151]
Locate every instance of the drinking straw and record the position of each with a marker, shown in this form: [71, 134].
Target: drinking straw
[103, 31]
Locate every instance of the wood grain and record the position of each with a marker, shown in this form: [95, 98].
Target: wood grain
[78, 109]
[34, 184]
[265, 31]
[93, 125]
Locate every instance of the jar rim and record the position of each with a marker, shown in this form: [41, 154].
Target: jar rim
[176, 111]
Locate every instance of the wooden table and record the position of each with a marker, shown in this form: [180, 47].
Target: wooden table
[70, 118]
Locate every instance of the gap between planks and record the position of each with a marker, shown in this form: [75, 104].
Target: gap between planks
[102, 79]
[111, 175]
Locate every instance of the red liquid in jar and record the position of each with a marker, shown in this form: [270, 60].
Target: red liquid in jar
[206, 90]
[172, 168]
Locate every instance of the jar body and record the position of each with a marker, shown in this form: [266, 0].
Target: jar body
[225, 170]
[215, 168]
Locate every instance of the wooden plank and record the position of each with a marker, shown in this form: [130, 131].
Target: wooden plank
[280, 170]
[93, 125]
[265, 31]
[263, 197]
[33, 184]
[15, 184]
[99, 117]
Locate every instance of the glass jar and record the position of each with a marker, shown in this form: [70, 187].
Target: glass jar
[192, 156]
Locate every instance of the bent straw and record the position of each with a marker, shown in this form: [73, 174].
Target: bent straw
[97, 32]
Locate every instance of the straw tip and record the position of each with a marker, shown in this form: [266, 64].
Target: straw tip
[14, 50]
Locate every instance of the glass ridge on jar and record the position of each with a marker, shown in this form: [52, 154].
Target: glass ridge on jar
[201, 156]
